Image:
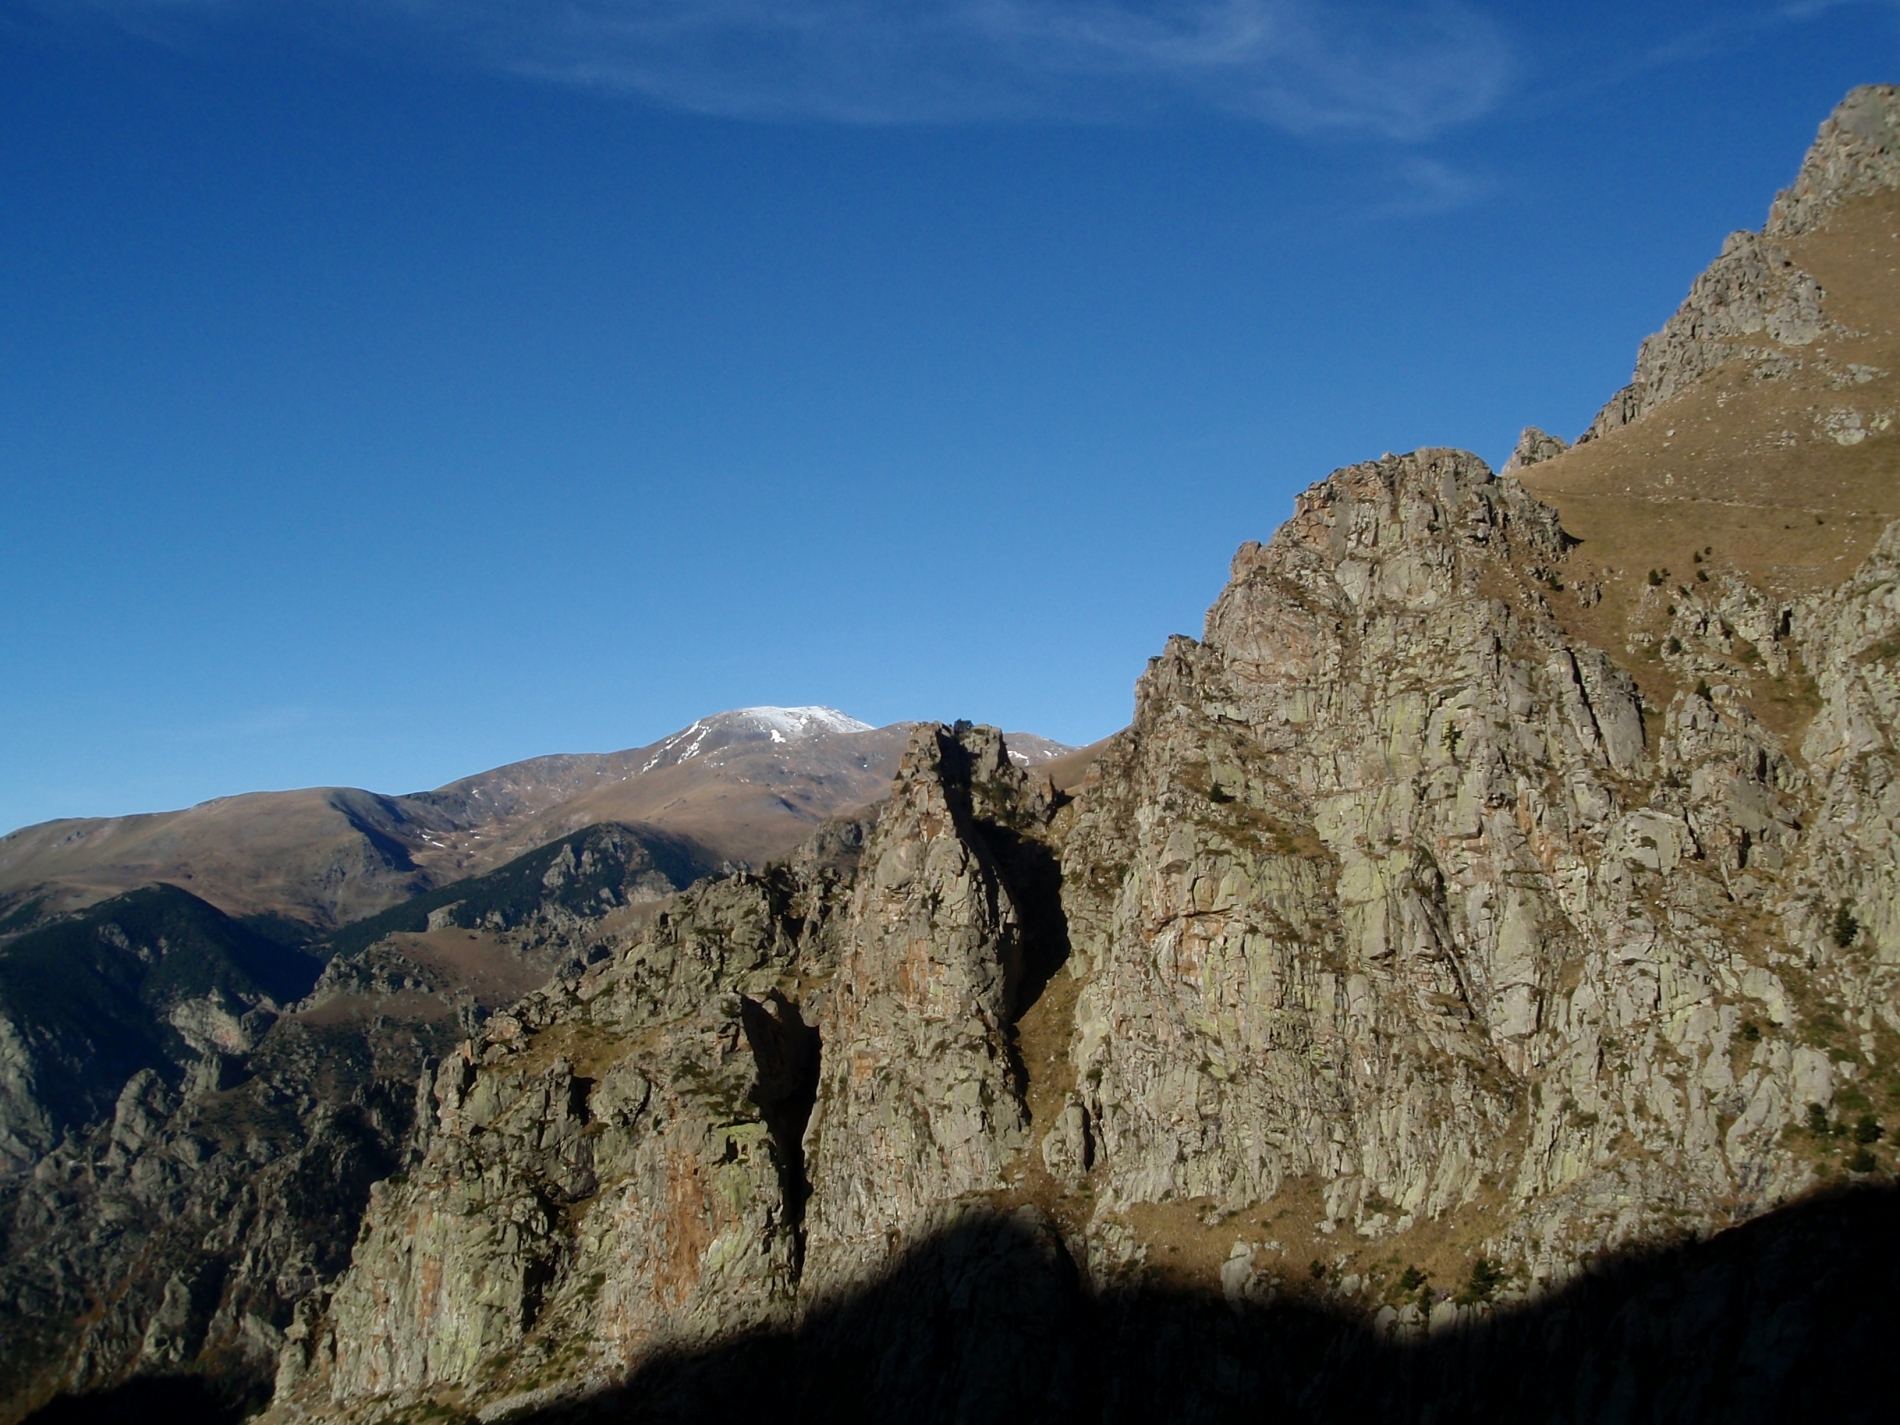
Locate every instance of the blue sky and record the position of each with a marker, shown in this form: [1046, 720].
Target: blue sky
[394, 388]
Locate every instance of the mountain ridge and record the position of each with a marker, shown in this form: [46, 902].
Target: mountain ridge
[744, 784]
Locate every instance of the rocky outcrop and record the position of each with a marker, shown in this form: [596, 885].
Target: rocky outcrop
[1753, 302]
[1842, 900]
[614, 1169]
[1413, 899]
[1856, 153]
[1397, 928]
[1270, 919]
[1534, 447]
[920, 1102]
[596, 1202]
[655, 1155]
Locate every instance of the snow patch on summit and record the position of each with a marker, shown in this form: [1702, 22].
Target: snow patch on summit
[782, 726]
[790, 724]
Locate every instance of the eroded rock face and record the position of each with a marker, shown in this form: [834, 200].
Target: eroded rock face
[920, 1102]
[1752, 290]
[1395, 914]
[1405, 896]
[632, 1162]
[1856, 153]
[1850, 859]
[1308, 935]
[614, 1169]
[1534, 447]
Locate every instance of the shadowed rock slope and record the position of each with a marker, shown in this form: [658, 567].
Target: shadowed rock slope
[194, 1125]
[154, 981]
[984, 1321]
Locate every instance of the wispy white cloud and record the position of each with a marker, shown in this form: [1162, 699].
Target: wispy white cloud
[1723, 31]
[1808, 9]
[1396, 71]
[1420, 187]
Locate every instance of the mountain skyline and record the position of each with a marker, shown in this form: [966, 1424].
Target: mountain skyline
[737, 787]
[376, 403]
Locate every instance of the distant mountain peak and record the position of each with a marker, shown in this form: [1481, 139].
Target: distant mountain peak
[747, 784]
[782, 726]
[792, 724]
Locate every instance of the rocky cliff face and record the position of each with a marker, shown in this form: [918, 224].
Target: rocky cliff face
[1414, 900]
[658, 1155]
[920, 1102]
[1398, 928]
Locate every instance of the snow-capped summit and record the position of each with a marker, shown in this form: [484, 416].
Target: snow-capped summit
[792, 723]
[781, 726]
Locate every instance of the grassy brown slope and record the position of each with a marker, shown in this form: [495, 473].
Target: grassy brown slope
[328, 856]
[316, 855]
[1745, 468]
[1070, 770]
[754, 804]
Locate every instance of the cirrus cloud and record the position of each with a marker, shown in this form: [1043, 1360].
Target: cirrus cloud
[1397, 71]
[1400, 73]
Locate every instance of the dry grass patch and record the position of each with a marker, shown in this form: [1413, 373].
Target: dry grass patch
[1741, 475]
[1188, 1242]
[479, 961]
[590, 1049]
[1068, 772]
[405, 1006]
[1042, 1036]
[1745, 468]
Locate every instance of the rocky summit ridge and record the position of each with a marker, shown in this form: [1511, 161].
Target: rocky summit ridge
[1470, 987]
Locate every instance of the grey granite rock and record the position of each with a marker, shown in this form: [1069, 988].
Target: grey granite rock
[1533, 448]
